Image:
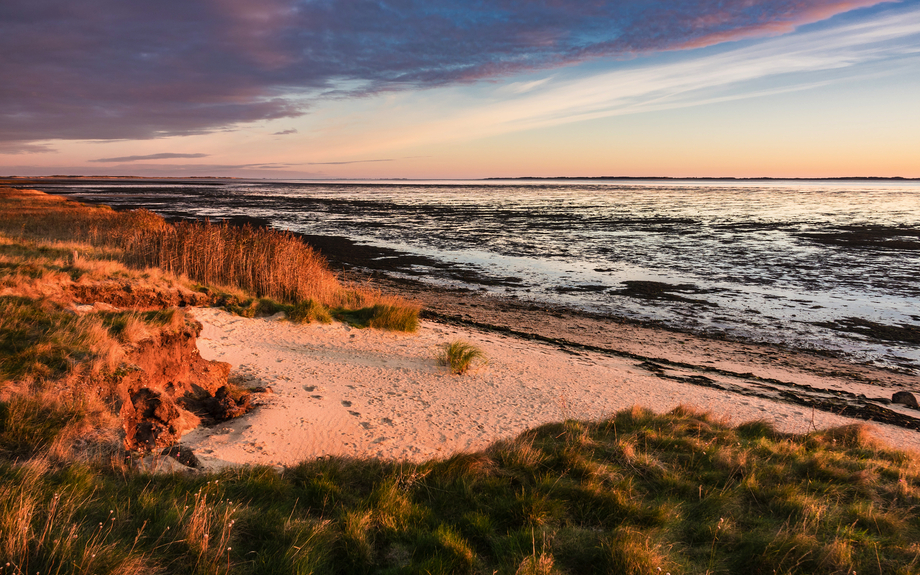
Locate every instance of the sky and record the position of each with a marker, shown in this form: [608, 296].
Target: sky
[460, 89]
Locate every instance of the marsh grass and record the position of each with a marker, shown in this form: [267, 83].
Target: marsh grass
[271, 265]
[308, 311]
[460, 356]
[390, 315]
[683, 492]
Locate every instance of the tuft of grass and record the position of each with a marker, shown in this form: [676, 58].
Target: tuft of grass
[308, 311]
[387, 316]
[394, 317]
[459, 356]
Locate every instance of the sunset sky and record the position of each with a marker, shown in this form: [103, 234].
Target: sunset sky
[463, 89]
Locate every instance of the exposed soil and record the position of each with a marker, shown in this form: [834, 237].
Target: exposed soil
[127, 295]
[167, 376]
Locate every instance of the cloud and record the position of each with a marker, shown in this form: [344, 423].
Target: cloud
[797, 62]
[349, 162]
[285, 132]
[109, 69]
[163, 156]
[19, 147]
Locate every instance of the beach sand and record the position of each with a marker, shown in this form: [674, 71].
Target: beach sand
[342, 391]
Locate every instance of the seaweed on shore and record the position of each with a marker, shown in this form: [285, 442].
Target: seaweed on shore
[661, 291]
[868, 236]
[903, 333]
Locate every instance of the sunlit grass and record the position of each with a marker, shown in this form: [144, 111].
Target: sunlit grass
[269, 264]
[682, 492]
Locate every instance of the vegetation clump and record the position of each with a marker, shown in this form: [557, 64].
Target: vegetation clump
[459, 356]
[275, 267]
[639, 491]
[308, 311]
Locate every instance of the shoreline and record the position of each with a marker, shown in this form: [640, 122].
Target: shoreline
[887, 343]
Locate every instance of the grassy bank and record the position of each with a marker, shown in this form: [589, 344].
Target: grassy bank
[632, 494]
[248, 268]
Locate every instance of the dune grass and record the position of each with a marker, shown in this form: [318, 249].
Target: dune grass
[267, 264]
[460, 356]
[682, 492]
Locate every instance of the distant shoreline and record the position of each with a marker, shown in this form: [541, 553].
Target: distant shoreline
[717, 179]
[12, 180]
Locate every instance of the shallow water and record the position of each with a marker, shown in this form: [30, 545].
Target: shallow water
[824, 265]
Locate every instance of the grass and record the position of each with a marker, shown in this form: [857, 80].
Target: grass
[459, 356]
[264, 264]
[639, 491]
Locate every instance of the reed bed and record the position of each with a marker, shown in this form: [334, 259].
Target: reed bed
[263, 262]
[268, 263]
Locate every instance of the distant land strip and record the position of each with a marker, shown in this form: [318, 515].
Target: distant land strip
[715, 179]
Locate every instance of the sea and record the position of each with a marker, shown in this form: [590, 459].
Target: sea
[819, 265]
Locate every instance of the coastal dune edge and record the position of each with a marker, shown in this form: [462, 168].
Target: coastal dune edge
[341, 391]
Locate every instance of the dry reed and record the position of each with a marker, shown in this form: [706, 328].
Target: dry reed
[266, 263]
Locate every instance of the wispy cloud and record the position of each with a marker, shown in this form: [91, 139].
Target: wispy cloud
[109, 69]
[790, 63]
[349, 162]
[20, 147]
[285, 132]
[163, 156]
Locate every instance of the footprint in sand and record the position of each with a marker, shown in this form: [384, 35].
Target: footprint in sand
[346, 403]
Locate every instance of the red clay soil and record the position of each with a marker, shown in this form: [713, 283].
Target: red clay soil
[126, 295]
[168, 378]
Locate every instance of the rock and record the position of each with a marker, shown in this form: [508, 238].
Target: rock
[223, 407]
[162, 464]
[905, 398]
[153, 421]
[183, 455]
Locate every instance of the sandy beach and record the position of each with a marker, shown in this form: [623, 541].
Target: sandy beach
[342, 391]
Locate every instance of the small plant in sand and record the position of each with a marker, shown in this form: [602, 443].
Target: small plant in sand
[309, 311]
[459, 356]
